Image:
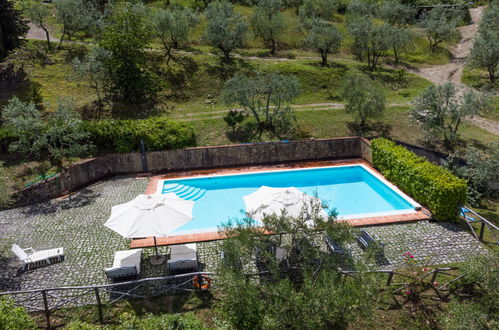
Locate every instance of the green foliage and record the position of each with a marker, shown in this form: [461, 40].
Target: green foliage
[126, 35]
[324, 38]
[234, 118]
[225, 29]
[125, 135]
[5, 189]
[302, 286]
[399, 40]
[464, 315]
[12, 27]
[38, 13]
[92, 69]
[76, 16]
[14, 318]
[370, 40]
[481, 171]
[440, 24]
[173, 27]
[485, 51]
[264, 97]
[268, 22]
[433, 186]
[58, 136]
[396, 13]
[364, 99]
[439, 111]
[318, 9]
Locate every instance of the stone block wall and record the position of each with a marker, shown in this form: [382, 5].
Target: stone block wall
[91, 170]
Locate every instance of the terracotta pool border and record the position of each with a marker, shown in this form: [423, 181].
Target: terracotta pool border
[422, 214]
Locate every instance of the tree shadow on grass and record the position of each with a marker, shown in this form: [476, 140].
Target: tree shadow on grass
[376, 129]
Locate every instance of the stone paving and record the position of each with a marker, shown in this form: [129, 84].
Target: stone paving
[76, 224]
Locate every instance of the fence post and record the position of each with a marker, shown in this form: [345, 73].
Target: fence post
[99, 305]
[482, 229]
[46, 308]
[435, 274]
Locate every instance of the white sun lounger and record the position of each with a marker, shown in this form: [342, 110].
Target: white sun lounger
[183, 258]
[31, 258]
[126, 265]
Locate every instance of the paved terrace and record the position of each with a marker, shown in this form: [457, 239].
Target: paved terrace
[77, 225]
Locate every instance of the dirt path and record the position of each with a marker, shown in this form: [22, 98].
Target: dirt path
[453, 71]
[35, 32]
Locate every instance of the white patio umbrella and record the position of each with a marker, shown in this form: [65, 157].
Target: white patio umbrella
[150, 215]
[268, 200]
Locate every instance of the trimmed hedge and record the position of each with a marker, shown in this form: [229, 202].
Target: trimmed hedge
[124, 135]
[431, 185]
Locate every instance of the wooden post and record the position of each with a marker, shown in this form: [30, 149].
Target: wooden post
[99, 305]
[46, 308]
[482, 229]
[434, 277]
[390, 277]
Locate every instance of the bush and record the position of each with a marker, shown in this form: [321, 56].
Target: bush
[125, 135]
[7, 136]
[431, 185]
[14, 318]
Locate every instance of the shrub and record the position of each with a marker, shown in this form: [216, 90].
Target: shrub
[14, 318]
[125, 135]
[431, 185]
[7, 136]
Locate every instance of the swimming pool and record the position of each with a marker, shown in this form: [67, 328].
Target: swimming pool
[355, 191]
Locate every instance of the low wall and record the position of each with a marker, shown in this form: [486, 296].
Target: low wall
[91, 170]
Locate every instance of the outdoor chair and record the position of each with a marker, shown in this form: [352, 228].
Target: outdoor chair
[367, 240]
[335, 248]
[31, 258]
[183, 258]
[126, 266]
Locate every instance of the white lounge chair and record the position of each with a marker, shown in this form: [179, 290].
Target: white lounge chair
[31, 258]
[126, 266]
[183, 258]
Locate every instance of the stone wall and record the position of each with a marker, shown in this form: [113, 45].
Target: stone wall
[91, 170]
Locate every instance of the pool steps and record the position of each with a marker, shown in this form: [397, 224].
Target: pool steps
[185, 191]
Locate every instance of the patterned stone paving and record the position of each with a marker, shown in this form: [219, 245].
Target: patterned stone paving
[76, 225]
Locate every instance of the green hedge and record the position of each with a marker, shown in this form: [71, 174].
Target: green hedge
[125, 135]
[431, 185]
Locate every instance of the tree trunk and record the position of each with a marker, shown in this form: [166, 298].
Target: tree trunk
[491, 74]
[48, 37]
[324, 59]
[62, 38]
[273, 47]
[396, 54]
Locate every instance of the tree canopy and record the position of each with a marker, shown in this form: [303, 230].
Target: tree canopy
[439, 25]
[324, 38]
[268, 22]
[226, 28]
[12, 27]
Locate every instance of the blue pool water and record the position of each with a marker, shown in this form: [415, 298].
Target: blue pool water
[353, 190]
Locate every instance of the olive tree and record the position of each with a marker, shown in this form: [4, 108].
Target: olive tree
[75, 16]
[225, 29]
[399, 39]
[324, 38]
[173, 27]
[439, 25]
[439, 111]
[92, 69]
[364, 100]
[264, 96]
[370, 40]
[312, 9]
[39, 13]
[396, 13]
[58, 136]
[485, 51]
[296, 278]
[268, 22]
[12, 27]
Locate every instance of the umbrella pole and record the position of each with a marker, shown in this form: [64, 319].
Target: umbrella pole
[155, 246]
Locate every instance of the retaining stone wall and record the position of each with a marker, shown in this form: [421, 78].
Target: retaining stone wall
[91, 170]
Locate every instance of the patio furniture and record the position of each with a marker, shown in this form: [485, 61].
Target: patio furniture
[31, 258]
[126, 266]
[183, 258]
[150, 215]
[367, 240]
[334, 247]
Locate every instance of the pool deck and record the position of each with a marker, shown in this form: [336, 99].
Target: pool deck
[423, 214]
